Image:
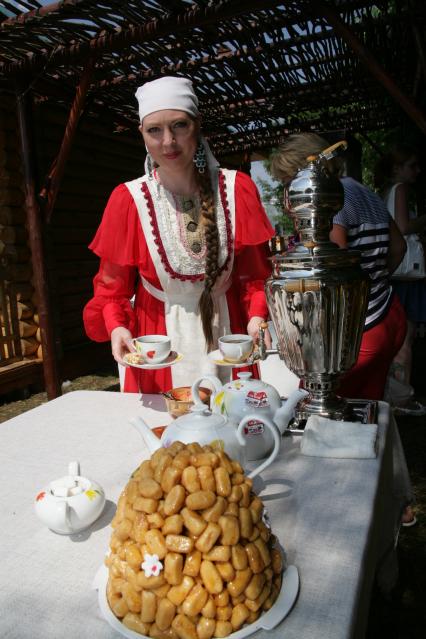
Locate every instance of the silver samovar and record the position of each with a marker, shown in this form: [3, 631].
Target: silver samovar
[317, 295]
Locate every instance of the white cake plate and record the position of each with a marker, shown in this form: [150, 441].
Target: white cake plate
[267, 621]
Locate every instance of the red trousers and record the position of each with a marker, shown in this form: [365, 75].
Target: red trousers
[379, 345]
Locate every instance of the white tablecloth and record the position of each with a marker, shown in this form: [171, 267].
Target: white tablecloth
[335, 518]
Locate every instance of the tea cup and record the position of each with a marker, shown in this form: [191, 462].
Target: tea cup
[153, 348]
[235, 349]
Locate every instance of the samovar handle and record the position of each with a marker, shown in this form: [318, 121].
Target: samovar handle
[262, 348]
[329, 152]
[263, 351]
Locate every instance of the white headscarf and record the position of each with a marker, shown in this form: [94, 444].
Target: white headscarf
[167, 92]
[170, 92]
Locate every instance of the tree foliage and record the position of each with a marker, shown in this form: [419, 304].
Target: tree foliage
[273, 195]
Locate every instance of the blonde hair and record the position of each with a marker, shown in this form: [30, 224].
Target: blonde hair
[293, 153]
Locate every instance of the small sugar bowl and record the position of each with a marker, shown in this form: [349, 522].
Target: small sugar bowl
[71, 503]
[179, 400]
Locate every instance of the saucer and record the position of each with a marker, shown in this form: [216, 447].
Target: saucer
[217, 358]
[173, 358]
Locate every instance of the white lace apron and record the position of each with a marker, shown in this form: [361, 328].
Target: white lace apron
[180, 297]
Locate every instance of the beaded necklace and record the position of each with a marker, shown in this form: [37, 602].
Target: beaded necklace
[187, 216]
[170, 231]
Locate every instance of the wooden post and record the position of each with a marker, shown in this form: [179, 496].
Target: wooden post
[54, 177]
[420, 50]
[371, 63]
[36, 239]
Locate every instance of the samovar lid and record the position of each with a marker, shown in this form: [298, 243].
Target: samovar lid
[312, 199]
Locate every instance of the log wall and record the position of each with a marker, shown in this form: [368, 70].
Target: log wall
[99, 160]
[18, 327]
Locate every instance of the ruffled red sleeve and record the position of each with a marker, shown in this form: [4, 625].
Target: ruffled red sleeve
[118, 243]
[252, 225]
[118, 236]
[252, 232]
[110, 305]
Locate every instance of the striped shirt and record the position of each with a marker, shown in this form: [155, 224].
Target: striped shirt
[366, 220]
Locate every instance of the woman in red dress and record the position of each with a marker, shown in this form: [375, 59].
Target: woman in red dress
[188, 240]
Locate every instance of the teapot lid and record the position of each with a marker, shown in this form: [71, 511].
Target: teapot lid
[246, 380]
[200, 416]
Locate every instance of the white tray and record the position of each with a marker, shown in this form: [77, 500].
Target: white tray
[267, 621]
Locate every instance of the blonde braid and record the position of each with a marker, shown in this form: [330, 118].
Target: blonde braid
[208, 219]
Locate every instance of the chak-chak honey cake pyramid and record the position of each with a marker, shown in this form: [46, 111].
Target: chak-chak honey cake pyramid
[191, 557]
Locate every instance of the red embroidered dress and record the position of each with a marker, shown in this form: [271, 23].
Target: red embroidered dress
[140, 246]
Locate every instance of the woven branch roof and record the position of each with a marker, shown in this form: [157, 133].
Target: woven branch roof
[261, 69]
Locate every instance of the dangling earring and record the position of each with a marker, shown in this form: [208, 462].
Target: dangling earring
[149, 166]
[200, 157]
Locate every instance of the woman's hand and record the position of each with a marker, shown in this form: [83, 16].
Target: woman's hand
[121, 343]
[253, 331]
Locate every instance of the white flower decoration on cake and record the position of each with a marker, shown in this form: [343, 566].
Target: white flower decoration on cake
[151, 565]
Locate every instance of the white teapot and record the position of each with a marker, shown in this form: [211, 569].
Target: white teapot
[202, 426]
[71, 503]
[247, 396]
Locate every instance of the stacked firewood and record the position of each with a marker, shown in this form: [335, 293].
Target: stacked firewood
[18, 305]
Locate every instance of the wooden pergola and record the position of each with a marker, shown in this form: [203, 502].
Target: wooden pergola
[261, 69]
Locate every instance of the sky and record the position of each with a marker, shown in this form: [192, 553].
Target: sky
[258, 173]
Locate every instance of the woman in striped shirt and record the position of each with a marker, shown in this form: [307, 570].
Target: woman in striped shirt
[363, 224]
